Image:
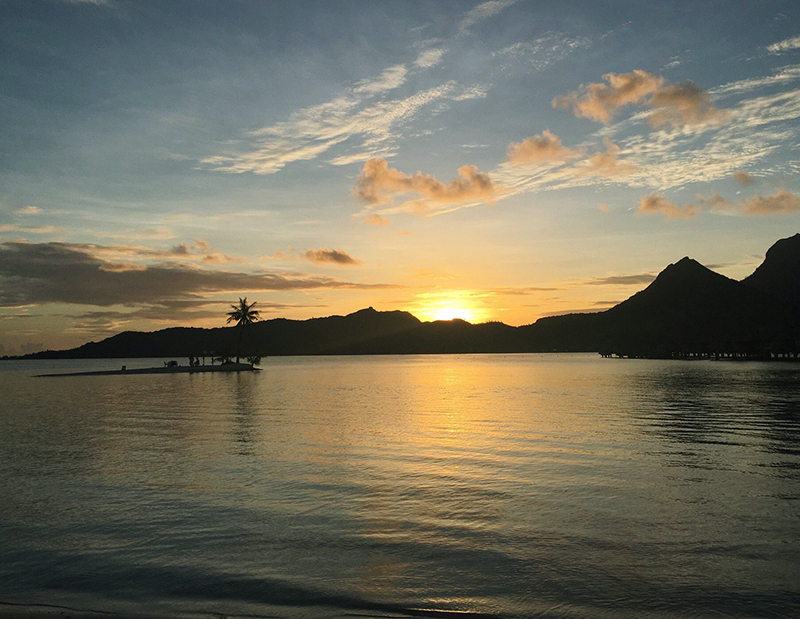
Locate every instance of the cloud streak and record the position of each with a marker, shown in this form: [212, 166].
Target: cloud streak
[369, 123]
[785, 45]
[37, 273]
[330, 256]
[483, 11]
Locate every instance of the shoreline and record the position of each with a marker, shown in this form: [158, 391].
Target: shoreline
[180, 369]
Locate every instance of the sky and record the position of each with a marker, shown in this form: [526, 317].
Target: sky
[501, 160]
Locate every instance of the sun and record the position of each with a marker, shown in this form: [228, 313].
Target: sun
[450, 305]
[451, 313]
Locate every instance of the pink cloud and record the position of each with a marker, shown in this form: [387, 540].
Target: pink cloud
[378, 184]
[779, 203]
[540, 149]
[674, 104]
[655, 203]
[599, 102]
[607, 164]
[332, 256]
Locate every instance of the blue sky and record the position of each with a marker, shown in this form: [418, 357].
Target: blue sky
[502, 160]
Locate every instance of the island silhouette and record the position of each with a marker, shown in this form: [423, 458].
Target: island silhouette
[688, 311]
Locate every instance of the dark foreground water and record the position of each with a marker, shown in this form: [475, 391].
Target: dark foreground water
[509, 486]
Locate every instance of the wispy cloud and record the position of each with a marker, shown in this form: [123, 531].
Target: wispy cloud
[483, 11]
[390, 79]
[541, 52]
[780, 76]
[312, 132]
[785, 45]
[373, 219]
[28, 210]
[17, 228]
[623, 280]
[429, 58]
[158, 233]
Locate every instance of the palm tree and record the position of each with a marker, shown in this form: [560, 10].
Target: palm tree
[243, 314]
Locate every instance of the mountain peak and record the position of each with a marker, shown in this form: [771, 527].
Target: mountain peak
[686, 270]
[779, 274]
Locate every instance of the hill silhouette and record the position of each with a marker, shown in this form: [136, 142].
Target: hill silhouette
[779, 274]
[688, 310]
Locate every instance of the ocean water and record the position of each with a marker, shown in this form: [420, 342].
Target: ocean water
[564, 486]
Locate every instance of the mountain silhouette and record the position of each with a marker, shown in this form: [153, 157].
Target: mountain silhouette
[779, 274]
[688, 310]
[691, 308]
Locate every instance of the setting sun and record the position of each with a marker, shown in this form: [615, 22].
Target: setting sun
[450, 313]
[464, 305]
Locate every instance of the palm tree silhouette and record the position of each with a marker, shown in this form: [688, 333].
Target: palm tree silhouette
[243, 314]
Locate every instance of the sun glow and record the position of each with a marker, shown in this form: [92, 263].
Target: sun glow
[463, 305]
[451, 312]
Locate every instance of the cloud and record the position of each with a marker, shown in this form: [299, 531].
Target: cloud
[785, 45]
[542, 52]
[370, 127]
[159, 233]
[28, 210]
[655, 203]
[623, 280]
[378, 184]
[744, 178]
[31, 229]
[335, 256]
[607, 164]
[483, 11]
[390, 79]
[779, 203]
[539, 149]
[683, 104]
[713, 203]
[37, 273]
[600, 102]
[780, 76]
[677, 105]
[429, 58]
[376, 220]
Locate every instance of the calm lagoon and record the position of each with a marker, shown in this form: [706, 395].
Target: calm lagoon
[502, 485]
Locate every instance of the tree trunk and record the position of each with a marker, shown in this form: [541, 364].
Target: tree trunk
[239, 344]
